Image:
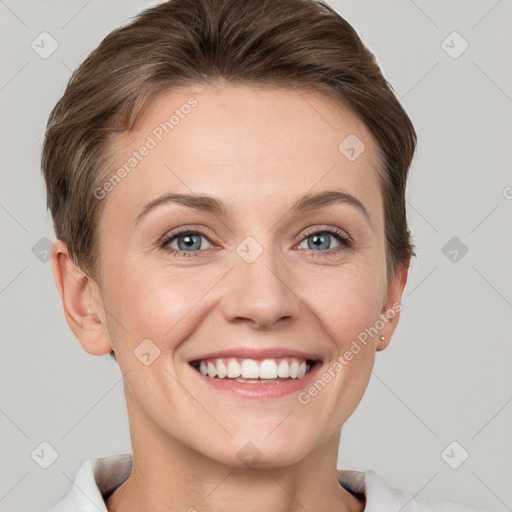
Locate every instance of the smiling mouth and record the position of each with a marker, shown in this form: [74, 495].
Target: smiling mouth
[257, 371]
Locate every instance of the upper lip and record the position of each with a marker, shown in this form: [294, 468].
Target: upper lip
[257, 353]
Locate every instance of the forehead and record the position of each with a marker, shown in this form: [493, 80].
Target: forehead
[264, 143]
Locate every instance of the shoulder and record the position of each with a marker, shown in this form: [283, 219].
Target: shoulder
[380, 495]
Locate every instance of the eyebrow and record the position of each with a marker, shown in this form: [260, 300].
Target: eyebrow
[209, 204]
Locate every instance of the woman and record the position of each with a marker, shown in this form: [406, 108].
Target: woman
[227, 182]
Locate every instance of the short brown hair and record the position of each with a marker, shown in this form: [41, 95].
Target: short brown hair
[285, 43]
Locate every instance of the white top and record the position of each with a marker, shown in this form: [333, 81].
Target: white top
[99, 477]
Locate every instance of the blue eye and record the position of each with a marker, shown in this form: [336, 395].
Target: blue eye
[319, 240]
[189, 242]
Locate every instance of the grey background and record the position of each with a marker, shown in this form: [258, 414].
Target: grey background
[447, 373]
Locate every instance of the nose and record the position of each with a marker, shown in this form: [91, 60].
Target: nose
[260, 293]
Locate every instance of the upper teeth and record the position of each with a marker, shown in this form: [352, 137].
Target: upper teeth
[253, 369]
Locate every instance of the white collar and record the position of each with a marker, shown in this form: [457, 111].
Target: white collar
[97, 478]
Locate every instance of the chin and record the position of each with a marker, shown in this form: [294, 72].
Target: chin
[261, 452]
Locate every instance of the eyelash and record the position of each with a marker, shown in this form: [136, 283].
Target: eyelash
[345, 241]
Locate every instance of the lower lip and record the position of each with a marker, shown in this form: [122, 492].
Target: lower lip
[261, 391]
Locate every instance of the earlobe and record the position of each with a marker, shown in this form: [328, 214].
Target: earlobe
[390, 313]
[82, 302]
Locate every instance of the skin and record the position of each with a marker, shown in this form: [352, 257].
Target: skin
[257, 150]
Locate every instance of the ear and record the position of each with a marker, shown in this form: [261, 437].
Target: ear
[82, 301]
[390, 313]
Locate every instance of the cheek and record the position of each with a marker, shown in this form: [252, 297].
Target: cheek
[346, 308]
[347, 302]
[161, 304]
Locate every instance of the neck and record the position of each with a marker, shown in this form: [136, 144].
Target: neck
[169, 476]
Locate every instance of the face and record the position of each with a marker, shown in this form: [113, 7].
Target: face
[250, 272]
